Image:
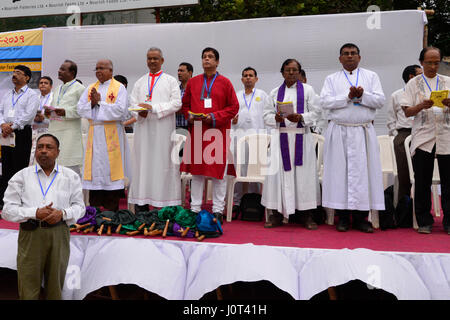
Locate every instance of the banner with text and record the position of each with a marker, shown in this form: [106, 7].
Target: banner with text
[24, 8]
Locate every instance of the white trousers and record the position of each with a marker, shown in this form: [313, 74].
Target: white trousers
[218, 193]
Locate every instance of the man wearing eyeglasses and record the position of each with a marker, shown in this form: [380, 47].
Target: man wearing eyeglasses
[430, 136]
[17, 111]
[107, 156]
[352, 179]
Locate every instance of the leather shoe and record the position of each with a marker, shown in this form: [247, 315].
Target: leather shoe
[309, 223]
[275, 220]
[364, 226]
[425, 229]
[342, 225]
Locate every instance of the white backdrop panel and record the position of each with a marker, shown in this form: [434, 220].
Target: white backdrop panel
[261, 43]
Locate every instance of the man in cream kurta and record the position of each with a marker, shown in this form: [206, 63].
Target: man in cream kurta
[430, 137]
[66, 125]
[352, 179]
[156, 175]
[104, 188]
[297, 187]
[248, 121]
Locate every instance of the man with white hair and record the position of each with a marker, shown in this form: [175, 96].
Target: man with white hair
[156, 177]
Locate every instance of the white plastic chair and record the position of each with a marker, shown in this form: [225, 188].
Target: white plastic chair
[435, 182]
[258, 145]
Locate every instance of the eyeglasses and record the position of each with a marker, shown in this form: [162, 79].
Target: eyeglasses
[101, 68]
[431, 63]
[289, 70]
[349, 53]
[19, 72]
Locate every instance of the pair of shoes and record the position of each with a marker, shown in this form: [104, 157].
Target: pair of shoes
[218, 216]
[309, 223]
[275, 220]
[342, 225]
[425, 229]
[364, 226]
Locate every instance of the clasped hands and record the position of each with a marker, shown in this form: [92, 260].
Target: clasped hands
[49, 214]
[59, 112]
[427, 104]
[6, 129]
[293, 117]
[355, 92]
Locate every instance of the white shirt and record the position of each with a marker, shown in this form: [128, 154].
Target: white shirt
[396, 118]
[431, 126]
[19, 108]
[251, 109]
[24, 194]
[43, 101]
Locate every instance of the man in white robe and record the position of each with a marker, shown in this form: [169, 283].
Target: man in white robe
[104, 107]
[295, 184]
[248, 121]
[66, 122]
[352, 178]
[156, 176]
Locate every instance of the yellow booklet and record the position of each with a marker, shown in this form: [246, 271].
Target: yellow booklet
[285, 108]
[438, 96]
[198, 114]
[137, 109]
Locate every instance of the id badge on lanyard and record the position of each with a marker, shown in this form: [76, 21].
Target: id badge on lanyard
[207, 103]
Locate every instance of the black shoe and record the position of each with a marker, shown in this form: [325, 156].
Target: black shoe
[236, 211]
[342, 225]
[307, 221]
[425, 229]
[364, 226]
[218, 216]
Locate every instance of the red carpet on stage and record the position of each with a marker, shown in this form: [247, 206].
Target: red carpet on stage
[325, 237]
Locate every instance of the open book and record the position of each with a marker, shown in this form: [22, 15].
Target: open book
[438, 96]
[285, 108]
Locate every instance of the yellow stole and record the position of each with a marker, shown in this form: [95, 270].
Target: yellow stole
[111, 135]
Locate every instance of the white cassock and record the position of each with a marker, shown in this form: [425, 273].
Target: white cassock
[297, 189]
[156, 176]
[352, 177]
[250, 121]
[101, 173]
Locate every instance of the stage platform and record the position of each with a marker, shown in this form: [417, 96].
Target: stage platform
[300, 262]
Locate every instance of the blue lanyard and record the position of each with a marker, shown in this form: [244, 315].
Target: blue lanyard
[437, 83]
[357, 78]
[150, 90]
[46, 100]
[40, 184]
[251, 99]
[20, 96]
[205, 85]
[67, 88]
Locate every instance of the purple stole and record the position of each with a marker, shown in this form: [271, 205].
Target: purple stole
[284, 143]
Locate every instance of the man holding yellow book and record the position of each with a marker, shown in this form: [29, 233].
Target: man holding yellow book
[430, 136]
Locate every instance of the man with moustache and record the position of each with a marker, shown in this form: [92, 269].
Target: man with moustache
[66, 125]
[185, 71]
[430, 137]
[209, 104]
[352, 178]
[40, 124]
[159, 95]
[45, 199]
[18, 108]
[107, 156]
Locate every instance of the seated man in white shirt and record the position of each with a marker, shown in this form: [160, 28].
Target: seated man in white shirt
[45, 199]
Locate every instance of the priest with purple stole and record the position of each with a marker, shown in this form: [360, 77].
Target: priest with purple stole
[294, 185]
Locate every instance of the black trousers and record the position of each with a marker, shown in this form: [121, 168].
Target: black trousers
[423, 163]
[15, 158]
[404, 183]
[357, 216]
